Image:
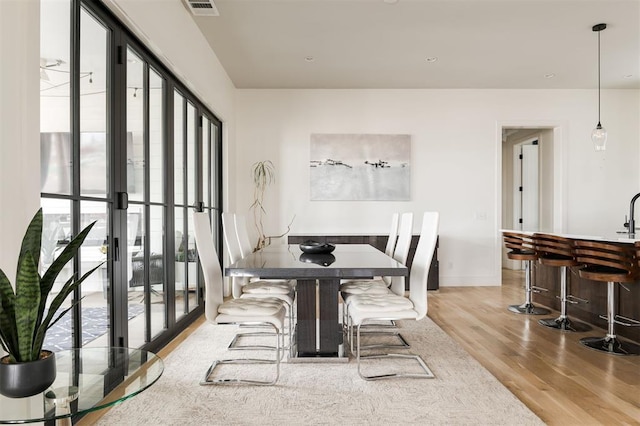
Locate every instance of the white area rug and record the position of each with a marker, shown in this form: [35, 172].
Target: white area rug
[463, 392]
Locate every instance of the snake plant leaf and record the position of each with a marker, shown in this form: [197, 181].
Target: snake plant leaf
[32, 240]
[38, 340]
[8, 331]
[67, 254]
[69, 287]
[62, 314]
[27, 303]
[49, 277]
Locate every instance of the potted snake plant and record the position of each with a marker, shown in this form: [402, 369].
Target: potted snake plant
[26, 315]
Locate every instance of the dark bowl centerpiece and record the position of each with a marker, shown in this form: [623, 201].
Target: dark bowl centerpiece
[315, 247]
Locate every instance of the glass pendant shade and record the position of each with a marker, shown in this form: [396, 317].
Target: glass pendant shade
[599, 137]
[599, 134]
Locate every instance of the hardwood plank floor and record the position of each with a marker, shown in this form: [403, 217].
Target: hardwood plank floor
[561, 381]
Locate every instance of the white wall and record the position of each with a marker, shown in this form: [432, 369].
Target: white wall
[19, 132]
[456, 161]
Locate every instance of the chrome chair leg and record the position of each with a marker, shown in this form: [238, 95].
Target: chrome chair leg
[427, 373]
[403, 344]
[563, 322]
[208, 380]
[528, 308]
[610, 343]
[235, 342]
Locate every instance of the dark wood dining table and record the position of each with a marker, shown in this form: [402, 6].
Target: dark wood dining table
[318, 331]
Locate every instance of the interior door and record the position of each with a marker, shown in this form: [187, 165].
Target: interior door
[526, 205]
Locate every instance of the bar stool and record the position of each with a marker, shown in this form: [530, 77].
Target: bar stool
[521, 248]
[611, 263]
[556, 251]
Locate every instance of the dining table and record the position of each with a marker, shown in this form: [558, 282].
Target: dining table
[318, 332]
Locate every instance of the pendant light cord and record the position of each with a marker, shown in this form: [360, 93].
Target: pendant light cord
[598, 78]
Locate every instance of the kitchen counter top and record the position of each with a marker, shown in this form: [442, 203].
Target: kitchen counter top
[614, 237]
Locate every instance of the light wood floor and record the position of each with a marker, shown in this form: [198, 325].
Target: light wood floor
[561, 381]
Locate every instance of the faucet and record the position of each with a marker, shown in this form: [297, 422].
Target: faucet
[632, 222]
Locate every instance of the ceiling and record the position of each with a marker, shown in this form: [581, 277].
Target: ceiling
[488, 44]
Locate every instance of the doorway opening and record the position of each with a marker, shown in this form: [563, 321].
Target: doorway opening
[529, 181]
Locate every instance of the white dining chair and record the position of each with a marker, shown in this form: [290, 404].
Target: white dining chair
[366, 308]
[393, 235]
[383, 285]
[249, 311]
[243, 287]
[242, 233]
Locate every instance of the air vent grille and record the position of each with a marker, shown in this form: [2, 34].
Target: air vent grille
[202, 7]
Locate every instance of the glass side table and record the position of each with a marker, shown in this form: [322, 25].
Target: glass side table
[87, 379]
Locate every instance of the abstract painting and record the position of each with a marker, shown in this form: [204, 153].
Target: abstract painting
[364, 167]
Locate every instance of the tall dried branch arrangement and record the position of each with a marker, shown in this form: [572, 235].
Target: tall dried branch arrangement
[263, 175]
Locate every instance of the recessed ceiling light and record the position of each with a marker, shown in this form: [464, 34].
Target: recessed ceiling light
[549, 75]
[390, 1]
[309, 58]
[628, 76]
[431, 59]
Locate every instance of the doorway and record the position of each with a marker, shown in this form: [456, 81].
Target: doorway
[528, 181]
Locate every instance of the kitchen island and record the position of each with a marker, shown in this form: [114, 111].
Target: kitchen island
[627, 295]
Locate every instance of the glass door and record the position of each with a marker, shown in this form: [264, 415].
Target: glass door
[186, 199]
[125, 144]
[77, 165]
[145, 165]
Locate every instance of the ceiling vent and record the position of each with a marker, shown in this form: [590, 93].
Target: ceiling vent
[202, 7]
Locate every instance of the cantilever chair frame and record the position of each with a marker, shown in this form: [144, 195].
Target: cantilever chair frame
[214, 301]
[417, 298]
[401, 233]
[238, 245]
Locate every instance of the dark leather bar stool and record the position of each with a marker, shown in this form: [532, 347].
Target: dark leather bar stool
[611, 263]
[521, 248]
[557, 252]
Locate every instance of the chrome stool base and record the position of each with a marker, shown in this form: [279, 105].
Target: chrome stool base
[564, 324]
[611, 345]
[528, 309]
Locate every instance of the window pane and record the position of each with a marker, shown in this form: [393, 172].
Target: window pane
[191, 155]
[156, 137]
[215, 155]
[181, 262]
[95, 289]
[94, 152]
[206, 170]
[136, 273]
[156, 270]
[135, 127]
[55, 103]
[178, 149]
[192, 276]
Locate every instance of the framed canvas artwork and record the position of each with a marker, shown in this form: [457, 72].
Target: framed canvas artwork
[366, 167]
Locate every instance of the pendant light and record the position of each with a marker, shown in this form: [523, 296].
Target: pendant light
[599, 134]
